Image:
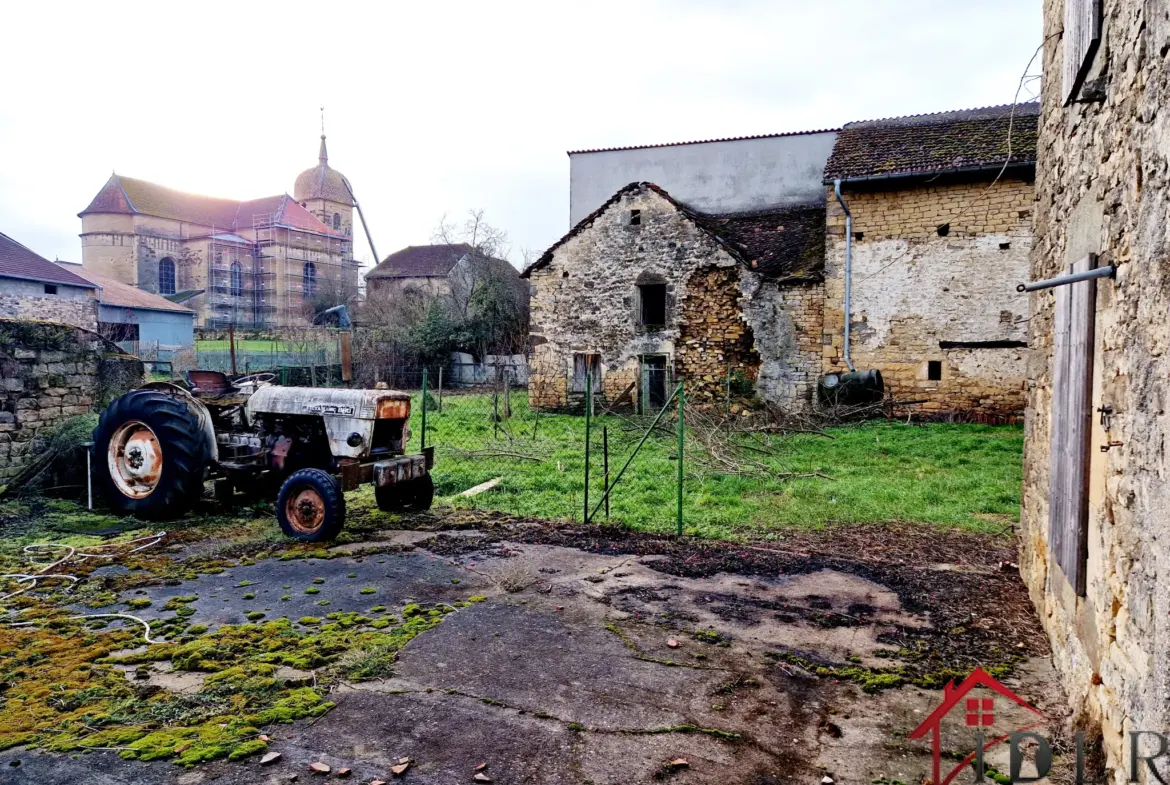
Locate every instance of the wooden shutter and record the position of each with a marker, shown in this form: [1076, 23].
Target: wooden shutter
[1070, 424]
[1082, 35]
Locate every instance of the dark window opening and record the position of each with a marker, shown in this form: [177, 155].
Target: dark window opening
[336, 221]
[50, 288]
[309, 281]
[934, 370]
[118, 331]
[652, 301]
[586, 364]
[859, 236]
[1004, 246]
[166, 276]
[635, 217]
[983, 344]
[565, 274]
[944, 230]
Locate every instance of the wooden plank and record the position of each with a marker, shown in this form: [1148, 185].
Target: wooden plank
[1082, 36]
[1057, 426]
[1080, 408]
[475, 490]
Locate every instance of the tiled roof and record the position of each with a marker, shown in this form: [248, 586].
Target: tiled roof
[17, 261]
[420, 261]
[322, 182]
[943, 142]
[787, 243]
[702, 141]
[116, 293]
[129, 195]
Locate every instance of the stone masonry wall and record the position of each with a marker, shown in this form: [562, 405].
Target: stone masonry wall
[914, 289]
[787, 321]
[713, 338]
[1103, 186]
[585, 301]
[78, 312]
[48, 374]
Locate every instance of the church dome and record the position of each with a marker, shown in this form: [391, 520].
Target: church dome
[322, 182]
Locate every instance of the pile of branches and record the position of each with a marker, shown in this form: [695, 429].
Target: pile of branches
[754, 442]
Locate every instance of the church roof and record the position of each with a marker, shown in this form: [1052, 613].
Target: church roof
[322, 181]
[131, 196]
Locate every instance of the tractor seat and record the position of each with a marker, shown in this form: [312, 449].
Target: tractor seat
[209, 384]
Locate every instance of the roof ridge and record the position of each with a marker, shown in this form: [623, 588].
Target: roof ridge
[703, 141]
[951, 115]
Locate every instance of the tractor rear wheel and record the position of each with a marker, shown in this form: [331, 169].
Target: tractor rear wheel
[150, 455]
[311, 506]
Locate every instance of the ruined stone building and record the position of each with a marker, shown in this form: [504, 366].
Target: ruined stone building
[1094, 529]
[735, 282]
[942, 229]
[257, 263]
[435, 270]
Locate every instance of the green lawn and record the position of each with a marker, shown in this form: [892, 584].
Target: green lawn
[250, 345]
[959, 476]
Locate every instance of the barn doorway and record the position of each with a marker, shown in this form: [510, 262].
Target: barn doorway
[653, 382]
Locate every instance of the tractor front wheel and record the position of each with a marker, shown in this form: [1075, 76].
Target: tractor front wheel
[311, 506]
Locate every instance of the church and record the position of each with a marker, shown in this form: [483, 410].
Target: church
[261, 263]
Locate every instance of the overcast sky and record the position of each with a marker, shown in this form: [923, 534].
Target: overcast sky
[436, 108]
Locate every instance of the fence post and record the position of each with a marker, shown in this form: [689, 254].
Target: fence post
[440, 388]
[605, 464]
[681, 437]
[424, 408]
[507, 394]
[232, 345]
[588, 425]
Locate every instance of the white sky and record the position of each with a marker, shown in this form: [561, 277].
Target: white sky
[436, 108]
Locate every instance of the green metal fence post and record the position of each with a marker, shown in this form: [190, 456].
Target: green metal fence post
[681, 437]
[605, 464]
[423, 439]
[588, 426]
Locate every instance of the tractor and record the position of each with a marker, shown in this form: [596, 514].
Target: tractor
[156, 446]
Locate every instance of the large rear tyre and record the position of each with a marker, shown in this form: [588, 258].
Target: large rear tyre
[423, 493]
[311, 506]
[150, 455]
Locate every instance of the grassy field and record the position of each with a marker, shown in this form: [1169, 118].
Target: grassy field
[958, 476]
[251, 345]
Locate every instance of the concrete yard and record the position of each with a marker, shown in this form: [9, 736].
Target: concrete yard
[611, 658]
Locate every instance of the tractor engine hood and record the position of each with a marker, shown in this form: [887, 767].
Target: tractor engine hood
[348, 415]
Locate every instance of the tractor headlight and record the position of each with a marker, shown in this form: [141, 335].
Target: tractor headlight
[393, 409]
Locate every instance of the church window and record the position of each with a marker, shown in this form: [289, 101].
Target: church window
[336, 221]
[166, 276]
[237, 279]
[309, 281]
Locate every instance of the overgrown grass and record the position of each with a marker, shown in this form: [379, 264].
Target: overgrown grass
[960, 476]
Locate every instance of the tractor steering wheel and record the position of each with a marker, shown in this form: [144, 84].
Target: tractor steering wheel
[255, 378]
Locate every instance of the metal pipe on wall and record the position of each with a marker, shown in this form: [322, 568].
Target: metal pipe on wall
[848, 268]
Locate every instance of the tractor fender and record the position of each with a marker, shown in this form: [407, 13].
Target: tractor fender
[197, 407]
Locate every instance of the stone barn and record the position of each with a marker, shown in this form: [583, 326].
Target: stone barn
[645, 290]
[941, 209]
[1095, 529]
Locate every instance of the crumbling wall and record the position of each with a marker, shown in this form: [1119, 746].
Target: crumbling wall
[1103, 186]
[787, 321]
[48, 373]
[921, 297]
[714, 340]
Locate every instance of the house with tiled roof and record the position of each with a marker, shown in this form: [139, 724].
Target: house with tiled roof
[437, 270]
[32, 287]
[256, 263]
[933, 230]
[735, 281]
[144, 324]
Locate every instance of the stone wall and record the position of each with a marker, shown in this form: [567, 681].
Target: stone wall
[20, 299]
[917, 293]
[1103, 186]
[714, 341]
[49, 373]
[788, 324]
